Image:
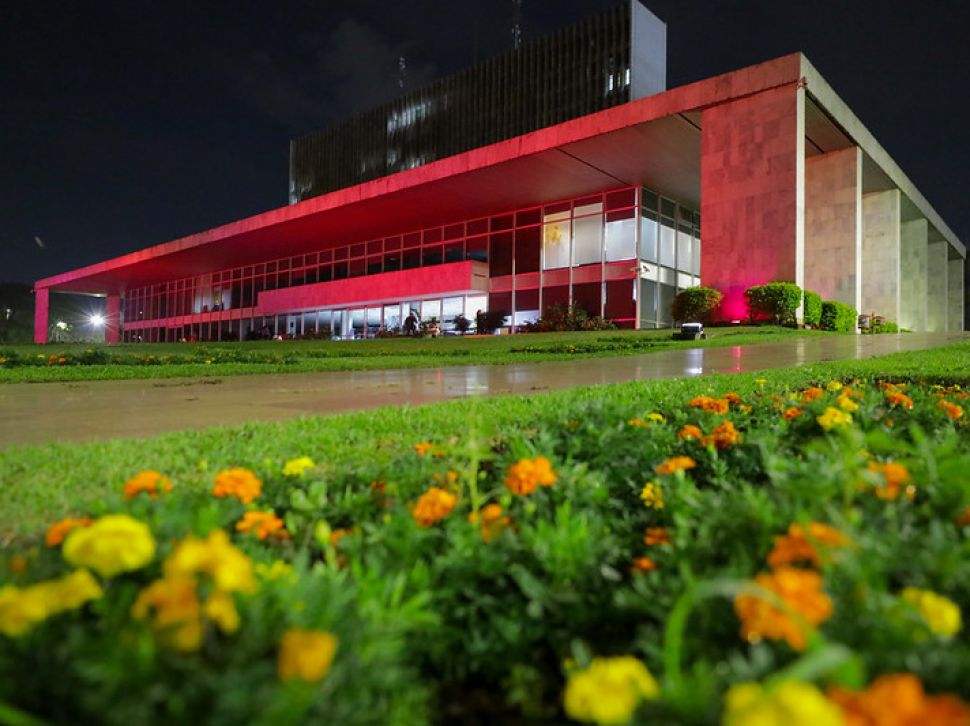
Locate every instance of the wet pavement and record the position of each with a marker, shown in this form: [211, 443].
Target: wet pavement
[33, 413]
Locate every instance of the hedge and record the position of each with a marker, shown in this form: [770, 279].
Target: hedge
[695, 304]
[777, 301]
[812, 313]
[838, 316]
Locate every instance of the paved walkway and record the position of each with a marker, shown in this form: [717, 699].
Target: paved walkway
[38, 412]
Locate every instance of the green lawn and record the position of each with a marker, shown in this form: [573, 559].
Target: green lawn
[781, 547]
[175, 360]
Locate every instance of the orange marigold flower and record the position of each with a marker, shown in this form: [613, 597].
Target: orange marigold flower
[263, 524]
[950, 409]
[151, 482]
[432, 506]
[675, 464]
[810, 394]
[714, 405]
[690, 431]
[804, 602]
[800, 546]
[723, 436]
[898, 398]
[491, 521]
[59, 530]
[643, 564]
[733, 399]
[792, 413]
[963, 519]
[427, 448]
[898, 699]
[239, 483]
[337, 535]
[638, 422]
[526, 474]
[656, 536]
[895, 478]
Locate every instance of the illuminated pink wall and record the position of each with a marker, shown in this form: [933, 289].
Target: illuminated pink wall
[750, 180]
[41, 305]
[112, 319]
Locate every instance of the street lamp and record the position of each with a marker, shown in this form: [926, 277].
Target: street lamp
[96, 320]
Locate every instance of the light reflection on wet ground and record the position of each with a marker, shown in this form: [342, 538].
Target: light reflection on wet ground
[38, 412]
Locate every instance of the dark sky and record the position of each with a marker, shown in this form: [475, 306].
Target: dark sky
[127, 124]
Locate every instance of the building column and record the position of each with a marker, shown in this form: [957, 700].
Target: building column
[112, 319]
[881, 254]
[753, 194]
[833, 226]
[954, 287]
[912, 303]
[41, 307]
[936, 299]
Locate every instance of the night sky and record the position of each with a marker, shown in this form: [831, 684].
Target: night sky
[123, 125]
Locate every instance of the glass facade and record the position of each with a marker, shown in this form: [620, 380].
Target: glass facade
[581, 251]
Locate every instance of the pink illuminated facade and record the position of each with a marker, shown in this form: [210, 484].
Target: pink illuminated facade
[756, 175]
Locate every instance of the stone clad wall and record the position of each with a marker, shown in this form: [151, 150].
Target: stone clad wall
[936, 300]
[913, 287]
[881, 254]
[955, 292]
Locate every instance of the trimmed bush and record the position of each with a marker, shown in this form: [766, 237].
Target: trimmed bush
[812, 313]
[776, 301]
[695, 304]
[559, 319]
[838, 316]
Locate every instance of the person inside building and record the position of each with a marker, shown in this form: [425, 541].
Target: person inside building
[411, 324]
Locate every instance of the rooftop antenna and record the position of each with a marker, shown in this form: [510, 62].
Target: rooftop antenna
[516, 24]
[402, 72]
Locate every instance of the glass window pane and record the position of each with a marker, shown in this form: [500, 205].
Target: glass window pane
[667, 293]
[685, 260]
[392, 317]
[500, 254]
[527, 250]
[431, 309]
[555, 240]
[697, 252]
[648, 303]
[648, 237]
[588, 235]
[621, 240]
[667, 242]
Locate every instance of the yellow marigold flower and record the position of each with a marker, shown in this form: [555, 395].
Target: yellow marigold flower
[652, 496]
[834, 418]
[675, 464]
[150, 481]
[896, 480]
[656, 417]
[643, 564]
[690, 431]
[833, 386]
[805, 604]
[714, 405]
[296, 467]
[275, 571]
[898, 698]
[898, 398]
[305, 655]
[113, 544]
[950, 409]
[173, 605]
[800, 546]
[215, 556]
[239, 483]
[791, 703]
[846, 403]
[263, 524]
[761, 381]
[221, 610]
[23, 608]
[723, 436]
[432, 506]
[941, 614]
[59, 530]
[656, 536]
[810, 394]
[609, 690]
[491, 521]
[791, 413]
[526, 475]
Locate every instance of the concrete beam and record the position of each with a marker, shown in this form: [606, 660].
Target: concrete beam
[833, 226]
[913, 287]
[881, 254]
[954, 287]
[752, 194]
[936, 299]
[41, 307]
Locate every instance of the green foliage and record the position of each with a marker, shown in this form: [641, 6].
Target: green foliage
[887, 326]
[439, 624]
[776, 301]
[695, 304]
[838, 317]
[559, 319]
[812, 311]
[492, 320]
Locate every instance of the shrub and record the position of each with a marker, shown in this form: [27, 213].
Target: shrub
[695, 303]
[776, 301]
[559, 319]
[812, 312]
[838, 316]
[462, 324]
[491, 321]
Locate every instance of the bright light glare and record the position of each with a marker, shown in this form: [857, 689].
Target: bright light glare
[96, 320]
[61, 325]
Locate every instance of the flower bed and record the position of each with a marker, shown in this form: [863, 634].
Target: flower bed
[781, 556]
